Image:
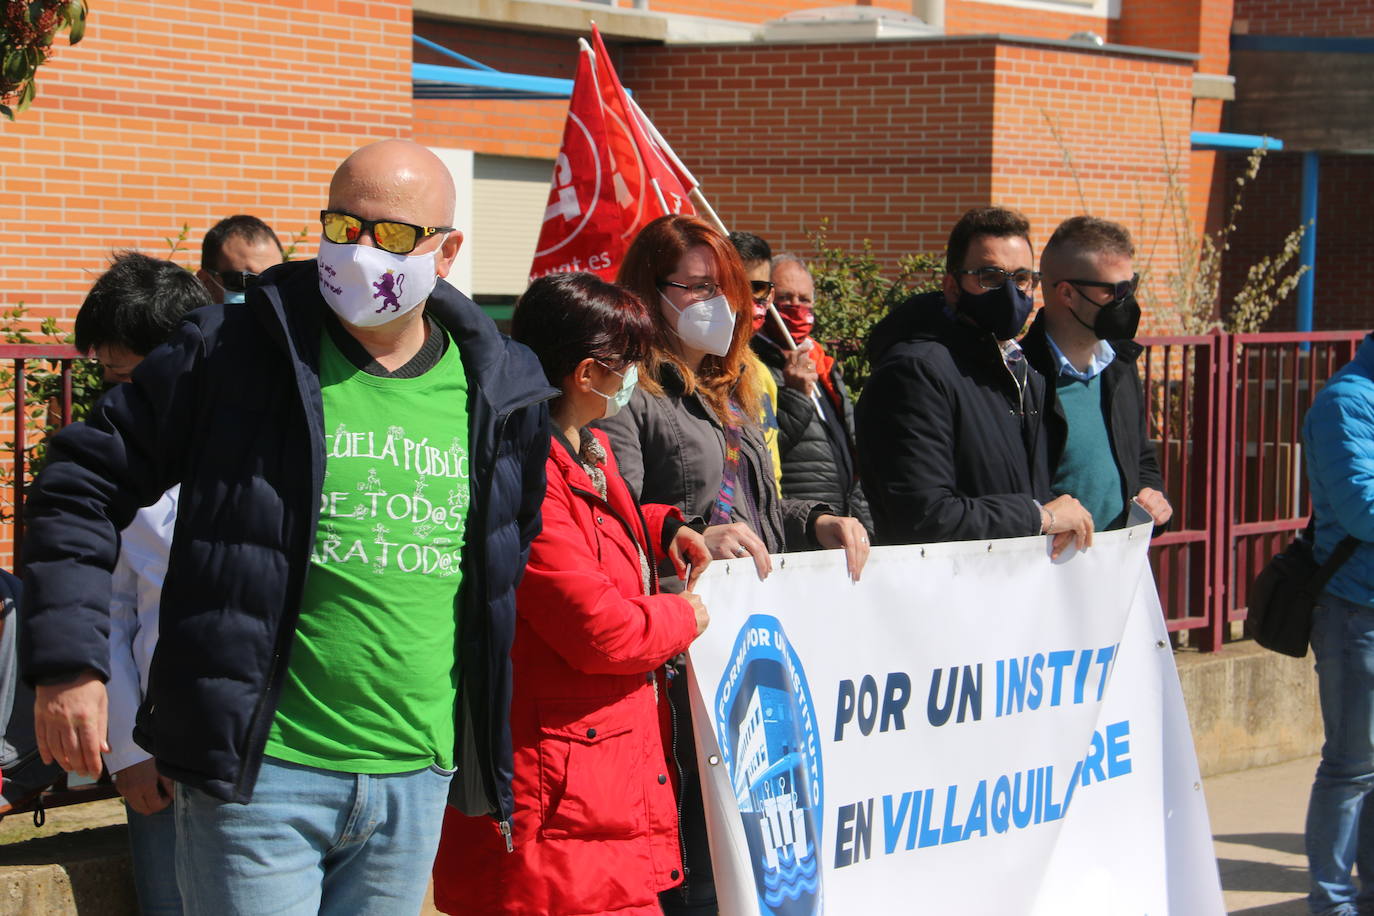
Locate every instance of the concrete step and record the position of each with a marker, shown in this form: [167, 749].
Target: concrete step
[84, 872]
[1249, 707]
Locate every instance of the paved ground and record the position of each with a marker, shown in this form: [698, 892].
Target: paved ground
[1257, 823]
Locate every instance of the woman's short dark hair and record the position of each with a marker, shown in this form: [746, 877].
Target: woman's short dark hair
[566, 318]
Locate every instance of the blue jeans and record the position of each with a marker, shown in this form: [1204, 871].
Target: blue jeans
[311, 841]
[1340, 826]
[153, 844]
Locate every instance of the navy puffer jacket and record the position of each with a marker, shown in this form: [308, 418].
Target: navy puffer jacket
[231, 409]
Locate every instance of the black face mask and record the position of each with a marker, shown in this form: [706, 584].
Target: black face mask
[1115, 321]
[1001, 312]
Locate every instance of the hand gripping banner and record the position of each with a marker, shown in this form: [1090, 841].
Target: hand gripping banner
[972, 728]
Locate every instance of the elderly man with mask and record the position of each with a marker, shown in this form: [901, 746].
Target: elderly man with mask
[951, 445]
[361, 459]
[815, 413]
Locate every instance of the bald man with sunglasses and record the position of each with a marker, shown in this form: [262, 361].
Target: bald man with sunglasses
[361, 459]
[1082, 342]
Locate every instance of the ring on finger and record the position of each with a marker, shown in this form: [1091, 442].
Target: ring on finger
[741, 550]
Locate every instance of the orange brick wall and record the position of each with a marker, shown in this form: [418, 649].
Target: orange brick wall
[1195, 26]
[185, 112]
[969, 17]
[889, 141]
[892, 141]
[1315, 18]
[1108, 111]
[1201, 27]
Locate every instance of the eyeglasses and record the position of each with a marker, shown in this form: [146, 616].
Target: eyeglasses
[236, 281]
[622, 371]
[1120, 291]
[996, 277]
[398, 238]
[760, 289]
[698, 292]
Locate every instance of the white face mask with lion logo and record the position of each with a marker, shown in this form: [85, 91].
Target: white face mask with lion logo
[367, 286]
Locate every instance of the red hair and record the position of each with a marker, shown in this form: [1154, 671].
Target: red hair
[656, 253]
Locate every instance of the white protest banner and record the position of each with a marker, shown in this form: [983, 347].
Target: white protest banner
[972, 728]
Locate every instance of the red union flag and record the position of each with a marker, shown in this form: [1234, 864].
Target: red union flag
[613, 175]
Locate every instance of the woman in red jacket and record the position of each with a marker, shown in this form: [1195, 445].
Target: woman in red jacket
[595, 827]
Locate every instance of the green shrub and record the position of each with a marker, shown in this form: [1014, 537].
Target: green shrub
[853, 293]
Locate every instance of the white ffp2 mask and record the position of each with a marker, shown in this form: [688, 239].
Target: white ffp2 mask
[706, 325]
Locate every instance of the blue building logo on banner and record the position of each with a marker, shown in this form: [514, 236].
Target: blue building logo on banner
[766, 726]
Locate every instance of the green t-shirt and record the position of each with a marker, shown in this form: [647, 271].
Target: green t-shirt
[373, 677]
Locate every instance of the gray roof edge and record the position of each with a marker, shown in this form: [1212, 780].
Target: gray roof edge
[1181, 57]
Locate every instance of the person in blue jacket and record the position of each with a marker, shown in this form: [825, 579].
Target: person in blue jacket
[361, 459]
[1339, 437]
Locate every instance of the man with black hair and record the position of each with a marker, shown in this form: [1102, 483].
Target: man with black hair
[233, 253]
[949, 425]
[1082, 343]
[130, 310]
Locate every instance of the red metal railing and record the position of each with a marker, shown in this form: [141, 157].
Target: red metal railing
[1276, 378]
[1225, 409]
[26, 420]
[1227, 412]
[22, 421]
[1183, 396]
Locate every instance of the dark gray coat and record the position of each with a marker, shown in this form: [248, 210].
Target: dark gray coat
[818, 459]
[671, 450]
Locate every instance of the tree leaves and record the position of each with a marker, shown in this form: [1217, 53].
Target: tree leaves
[27, 31]
[76, 20]
[853, 293]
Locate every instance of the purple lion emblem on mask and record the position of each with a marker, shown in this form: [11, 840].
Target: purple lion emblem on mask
[388, 289]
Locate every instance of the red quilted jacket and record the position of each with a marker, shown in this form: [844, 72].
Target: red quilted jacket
[595, 827]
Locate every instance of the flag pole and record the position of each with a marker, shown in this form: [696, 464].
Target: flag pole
[658, 192]
[707, 211]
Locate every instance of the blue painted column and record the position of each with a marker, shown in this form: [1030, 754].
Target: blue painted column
[1307, 254]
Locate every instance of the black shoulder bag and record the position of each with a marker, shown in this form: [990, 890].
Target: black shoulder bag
[1286, 590]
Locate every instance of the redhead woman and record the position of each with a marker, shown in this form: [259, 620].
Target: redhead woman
[595, 827]
[688, 438]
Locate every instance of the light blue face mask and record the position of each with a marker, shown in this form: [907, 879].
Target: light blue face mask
[230, 298]
[614, 402]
